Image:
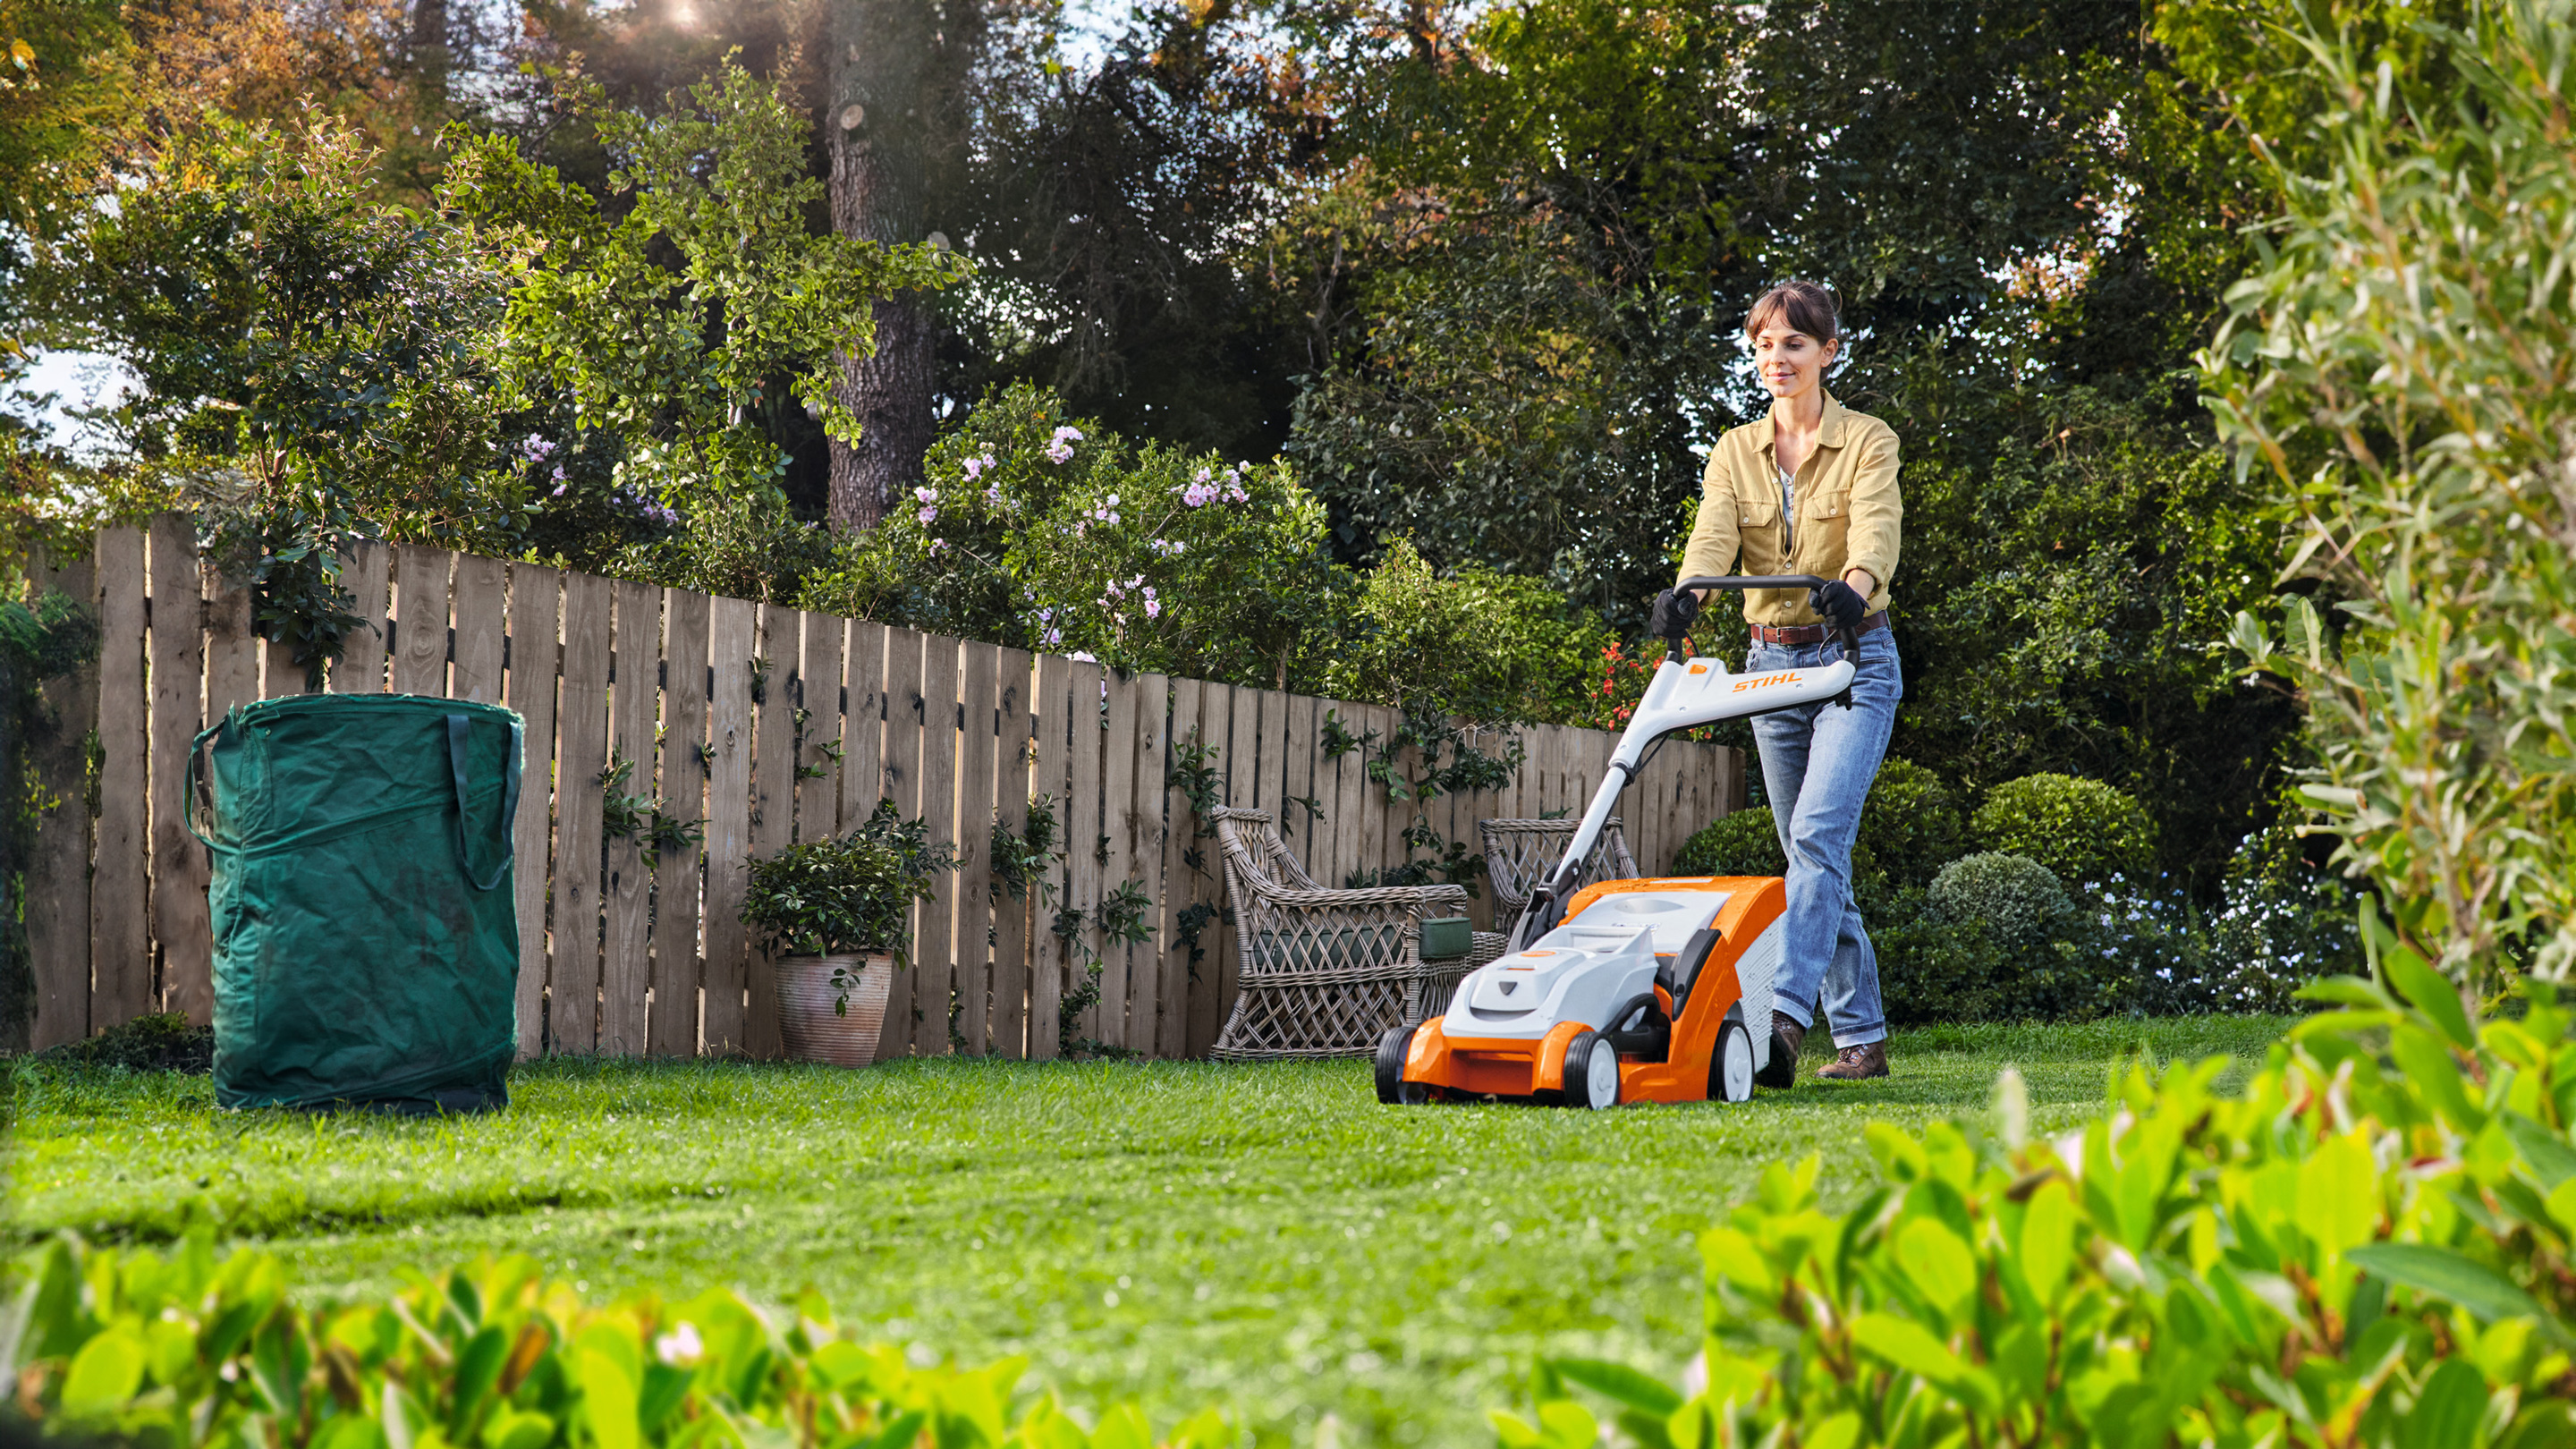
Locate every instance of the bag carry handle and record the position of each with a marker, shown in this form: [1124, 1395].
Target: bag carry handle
[457, 727]
[188, 795]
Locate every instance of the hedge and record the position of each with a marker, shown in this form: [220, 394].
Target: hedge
[2369, 1244]
[188, 1349]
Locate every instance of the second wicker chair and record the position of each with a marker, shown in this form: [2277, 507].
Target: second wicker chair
[1520, 853]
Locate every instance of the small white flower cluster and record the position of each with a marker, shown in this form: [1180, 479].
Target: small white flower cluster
[1061, 449]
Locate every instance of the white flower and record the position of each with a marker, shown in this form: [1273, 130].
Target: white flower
[680, 1345]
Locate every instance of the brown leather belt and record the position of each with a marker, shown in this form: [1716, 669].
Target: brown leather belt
[1810, 633]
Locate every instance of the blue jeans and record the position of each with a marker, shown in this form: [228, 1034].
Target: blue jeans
[1817, 764]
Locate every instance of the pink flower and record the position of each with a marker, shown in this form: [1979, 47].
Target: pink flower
[973, 467]
[1153, 607]
[929, 516]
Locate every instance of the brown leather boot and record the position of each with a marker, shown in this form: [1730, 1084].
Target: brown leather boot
[1855, 1063]
[1786, 1037]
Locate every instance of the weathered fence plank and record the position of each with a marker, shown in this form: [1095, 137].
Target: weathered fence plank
[365, 571]
[935, 942]
[773, 800]
[58, 878]
[1118, 865]
[625, 887]
[979, 700]
[1170, 955]
[1207, 879]
[1048, 953]
[1011, 756]
[180, 868]
[481, 598]
[1083, 840]
[1145, 851]
[818, 693]
[902, 777]
[682, 793]
[572, 993]
[120, 875]
[535, 660]
[863, 723]
[731, 628]
[420, 620]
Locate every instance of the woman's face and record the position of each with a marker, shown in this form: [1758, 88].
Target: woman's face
[1790, 363]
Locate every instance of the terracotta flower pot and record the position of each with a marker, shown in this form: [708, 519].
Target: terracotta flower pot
[812, 1029]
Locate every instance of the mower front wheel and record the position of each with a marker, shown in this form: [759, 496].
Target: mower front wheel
[1591, 1073]
[1730, 1067]
[1392, 1088]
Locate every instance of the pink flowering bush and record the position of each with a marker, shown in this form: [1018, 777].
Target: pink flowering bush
[1053, 534]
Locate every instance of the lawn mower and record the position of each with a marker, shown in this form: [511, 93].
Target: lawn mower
[1653, 990]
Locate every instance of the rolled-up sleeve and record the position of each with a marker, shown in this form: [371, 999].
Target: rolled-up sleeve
[1877, 513]
[1714, 540]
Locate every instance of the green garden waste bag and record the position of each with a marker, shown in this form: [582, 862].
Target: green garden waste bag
[366, 931]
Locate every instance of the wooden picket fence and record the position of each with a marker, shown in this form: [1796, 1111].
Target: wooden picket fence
[770, 725]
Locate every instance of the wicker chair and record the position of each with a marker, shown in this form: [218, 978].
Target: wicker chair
[1326, 972]
[1520, 853]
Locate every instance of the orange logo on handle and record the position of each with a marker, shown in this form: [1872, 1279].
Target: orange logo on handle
[1742, 685]
[1699, 669]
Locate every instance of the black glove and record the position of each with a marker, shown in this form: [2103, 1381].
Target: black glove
[1673, 613]
[1841, 606]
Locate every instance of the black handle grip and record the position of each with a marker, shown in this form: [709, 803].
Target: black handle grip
[1850, 638]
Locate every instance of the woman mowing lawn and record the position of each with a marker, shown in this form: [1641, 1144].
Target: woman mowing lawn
[1811, 489]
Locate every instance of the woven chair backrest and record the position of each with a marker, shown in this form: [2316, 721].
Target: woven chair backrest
[1520, 853]
[1255, 853]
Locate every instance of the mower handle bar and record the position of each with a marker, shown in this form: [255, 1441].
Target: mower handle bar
[1673, 646]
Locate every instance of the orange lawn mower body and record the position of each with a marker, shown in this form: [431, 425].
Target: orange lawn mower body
[1655, 990]
[1660, 981]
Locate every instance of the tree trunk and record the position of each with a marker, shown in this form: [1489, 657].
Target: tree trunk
[892, 62]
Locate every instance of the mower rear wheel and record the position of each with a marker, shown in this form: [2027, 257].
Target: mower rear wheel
[1591, 1073]
[1392, 1088]
[1730, 1067]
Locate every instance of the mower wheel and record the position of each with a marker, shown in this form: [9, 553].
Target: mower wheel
[1591, 1072]
[1392, 1088]
[1730, 1067]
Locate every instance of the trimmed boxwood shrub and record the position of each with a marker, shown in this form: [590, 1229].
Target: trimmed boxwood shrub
[2019, 902]
[2365, 1245]
[1744, 843]
[1911, 827]
[2085, 831]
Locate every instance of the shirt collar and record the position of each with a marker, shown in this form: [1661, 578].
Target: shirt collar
[1829, 435]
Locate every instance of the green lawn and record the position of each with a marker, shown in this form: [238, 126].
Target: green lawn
[1267, 1237]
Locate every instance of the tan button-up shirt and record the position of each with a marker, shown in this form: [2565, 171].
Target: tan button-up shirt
[1848, 512]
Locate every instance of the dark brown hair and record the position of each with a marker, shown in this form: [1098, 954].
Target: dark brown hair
[1805, 306]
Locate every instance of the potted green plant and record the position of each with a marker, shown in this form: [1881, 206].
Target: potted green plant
[835, 911]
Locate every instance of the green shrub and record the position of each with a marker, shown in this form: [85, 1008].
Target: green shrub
[1744, 843]
[2396, 367]
[847, 893]
[2016, 901]
[189, 1349]
[2085, 831]
[1911, 827]
[1475, 643]
[2362, 1246]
